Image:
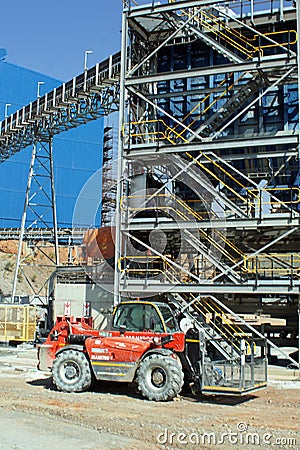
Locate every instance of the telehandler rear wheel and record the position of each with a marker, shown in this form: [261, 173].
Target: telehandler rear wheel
[160, 377]
[71, 372]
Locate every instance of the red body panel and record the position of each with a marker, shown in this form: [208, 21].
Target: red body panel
[58, 338]
[115, 349]
[104, 346]
[177, 344]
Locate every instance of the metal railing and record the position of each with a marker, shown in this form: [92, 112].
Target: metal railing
[238, 186]
[271, 266]
[236, 376]
[219, 21]
[17, 323]
[274, 265]
[86, 97]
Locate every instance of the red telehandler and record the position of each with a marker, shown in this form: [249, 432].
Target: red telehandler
[146, 344]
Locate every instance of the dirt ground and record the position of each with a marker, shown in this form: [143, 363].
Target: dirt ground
[33, 415]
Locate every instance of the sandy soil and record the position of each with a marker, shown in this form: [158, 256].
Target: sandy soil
[33, 415]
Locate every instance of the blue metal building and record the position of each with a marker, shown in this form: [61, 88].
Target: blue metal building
[77, 154]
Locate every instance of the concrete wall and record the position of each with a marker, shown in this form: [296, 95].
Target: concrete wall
[77, 295]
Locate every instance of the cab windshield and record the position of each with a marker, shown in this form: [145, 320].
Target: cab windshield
[144, 317]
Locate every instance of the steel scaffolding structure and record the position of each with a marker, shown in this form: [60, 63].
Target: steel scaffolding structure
[208, 181]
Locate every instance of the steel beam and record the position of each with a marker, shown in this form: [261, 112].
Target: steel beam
[283, 139]
[251, 66]
[136, 287]
[275, 222]
[120, 169]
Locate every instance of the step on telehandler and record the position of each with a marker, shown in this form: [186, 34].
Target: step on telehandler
[157, 346]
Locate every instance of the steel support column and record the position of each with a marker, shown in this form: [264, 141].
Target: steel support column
[120, 170]
[39, 205]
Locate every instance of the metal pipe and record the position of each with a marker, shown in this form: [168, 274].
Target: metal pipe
[33, 155]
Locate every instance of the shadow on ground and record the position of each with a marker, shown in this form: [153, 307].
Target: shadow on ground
[130, 390]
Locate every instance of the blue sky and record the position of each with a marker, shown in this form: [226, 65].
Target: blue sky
[51, 37]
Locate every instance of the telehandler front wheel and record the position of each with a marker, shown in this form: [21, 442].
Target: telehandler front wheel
[71, 372]
[160, 377]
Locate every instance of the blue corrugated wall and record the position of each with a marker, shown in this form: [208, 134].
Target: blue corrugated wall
[77, 154]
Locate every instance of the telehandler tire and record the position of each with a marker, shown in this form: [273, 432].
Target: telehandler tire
[160, 377]
[71, 372]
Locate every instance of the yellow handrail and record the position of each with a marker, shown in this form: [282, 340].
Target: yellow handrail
[285, 44]
[206, 169]
[154, 258]
[219, 24]
[252, 265]
[264, 263]
[246, 45]
[291, 190]
[205, 310]
[184, 217]
[219, 247]
[161, 134]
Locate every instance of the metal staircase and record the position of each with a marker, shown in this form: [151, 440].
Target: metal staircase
[209, 318]
[233, 360]
[204, 182]
[234, 190]
[209, 40]
[239, 99]
[221, 256]
[220, 29]
[234, 39]
[203, 248]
